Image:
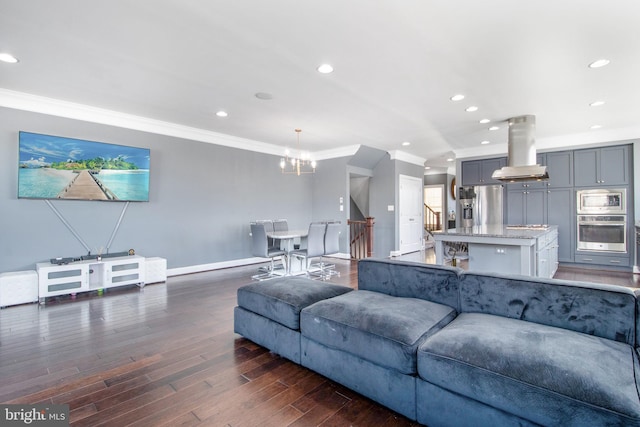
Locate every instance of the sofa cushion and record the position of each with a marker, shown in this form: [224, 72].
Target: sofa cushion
[282, 299]
[604, 310]
[563, 374]
[379, 328]
[435, 283]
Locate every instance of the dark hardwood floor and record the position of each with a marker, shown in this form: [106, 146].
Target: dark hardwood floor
[167, 355]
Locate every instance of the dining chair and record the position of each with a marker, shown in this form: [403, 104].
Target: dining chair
[260, 248]
[283, 225]
[273, 243]
[268, 226]
[315, 245]
[280, 225]
[331, 247]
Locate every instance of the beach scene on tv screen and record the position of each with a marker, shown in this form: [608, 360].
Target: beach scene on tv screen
[53, 167]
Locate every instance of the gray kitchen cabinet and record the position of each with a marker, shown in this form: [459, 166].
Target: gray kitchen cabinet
[560, 169]
[602, 166]
[478, 172]
[561, 212]
[528, 206]
[604, 259]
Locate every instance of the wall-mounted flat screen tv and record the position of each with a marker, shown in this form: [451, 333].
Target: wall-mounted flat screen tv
[54, 167]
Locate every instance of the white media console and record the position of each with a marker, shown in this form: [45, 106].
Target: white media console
[89, 275]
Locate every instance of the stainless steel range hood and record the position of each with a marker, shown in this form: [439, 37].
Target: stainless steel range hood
[521, 162]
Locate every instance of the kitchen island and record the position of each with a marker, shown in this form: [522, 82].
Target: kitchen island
[526, 250]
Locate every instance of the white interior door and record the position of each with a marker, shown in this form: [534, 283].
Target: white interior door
[410, 213]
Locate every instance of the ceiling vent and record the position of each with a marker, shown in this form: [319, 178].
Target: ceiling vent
[521, 161]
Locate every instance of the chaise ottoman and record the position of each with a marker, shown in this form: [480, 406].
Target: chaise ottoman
[268, 313]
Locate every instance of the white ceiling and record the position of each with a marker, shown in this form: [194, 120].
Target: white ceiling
[396, 64]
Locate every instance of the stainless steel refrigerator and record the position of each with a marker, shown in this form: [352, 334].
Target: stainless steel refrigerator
[488, 205]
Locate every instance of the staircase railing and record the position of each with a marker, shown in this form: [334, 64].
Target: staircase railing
[432, 219]
[361, 238]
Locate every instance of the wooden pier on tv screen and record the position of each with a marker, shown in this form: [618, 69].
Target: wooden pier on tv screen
[86, 186]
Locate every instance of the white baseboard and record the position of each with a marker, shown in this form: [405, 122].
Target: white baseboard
[636, 269]
[339, 255]
[213, 266]
[227, 264]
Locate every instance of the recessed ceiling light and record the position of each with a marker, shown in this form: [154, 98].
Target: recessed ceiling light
[484, 121]
[406, 143]
[485, 142]
[458, 97]
[599, 63]
[325, 69]
[494, 128]
[222, 113]
[7, 57]
[597, 103]
[596, 126]
[471, 109]
[427, 167]
[264, 96]
[450, 159]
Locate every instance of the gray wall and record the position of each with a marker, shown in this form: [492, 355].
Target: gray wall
[384, 192]
[330, 183]
[382, 188]
[202, 197]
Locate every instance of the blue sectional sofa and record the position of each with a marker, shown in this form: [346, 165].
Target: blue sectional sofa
[449, 348]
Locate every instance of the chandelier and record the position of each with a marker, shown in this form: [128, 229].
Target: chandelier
[297, 165]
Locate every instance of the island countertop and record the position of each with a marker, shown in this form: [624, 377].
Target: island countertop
[525, 250]
[496, 231]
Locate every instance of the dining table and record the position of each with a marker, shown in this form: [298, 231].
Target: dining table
[287, 240]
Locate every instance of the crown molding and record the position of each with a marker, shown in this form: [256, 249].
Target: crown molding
[334, 153]
[71, 110]
[406, 157]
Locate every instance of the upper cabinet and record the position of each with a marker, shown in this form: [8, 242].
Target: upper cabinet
[602, 166]
[560, 169]
[478, 172]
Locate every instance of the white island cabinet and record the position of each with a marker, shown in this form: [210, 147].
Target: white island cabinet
[88, 275]
[525, 250]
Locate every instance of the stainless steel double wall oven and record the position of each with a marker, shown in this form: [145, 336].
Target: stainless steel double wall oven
[602, 220]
